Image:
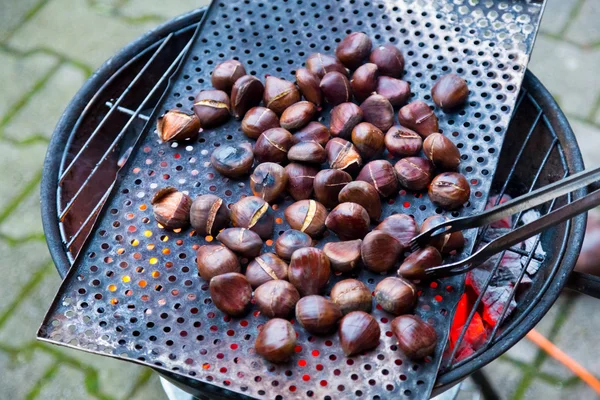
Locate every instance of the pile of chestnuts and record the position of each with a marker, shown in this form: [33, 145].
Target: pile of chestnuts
[338, 176]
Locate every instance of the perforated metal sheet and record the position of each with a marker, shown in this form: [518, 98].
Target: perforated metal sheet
[134, 292]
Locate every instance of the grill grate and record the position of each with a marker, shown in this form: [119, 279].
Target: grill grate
[134, 293]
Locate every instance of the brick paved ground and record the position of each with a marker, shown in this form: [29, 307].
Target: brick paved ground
[47, 50]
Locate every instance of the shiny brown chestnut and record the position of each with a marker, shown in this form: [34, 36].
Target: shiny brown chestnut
[380, 174]
[231, 293]
[349, 221]
[265, 268]
[417, 263]
[378, 111]
[401, 227]
[233, 160]
[300, 180]
[418, 117]
[389, 60]
[177, 125]
[307, 216]
[396, 295]
[317, 314]
[212, 108]
[403, 142]
[297, 115]
[313, 132]
[307, 152]
[272, 145]
[290, 241]
[362, 193]
[309, 86]
[213, 260]
[395, 90]
[328, 184]
[414, 173]
[343, 155]
[343, 256]
[344, 117]
[276, 299]
[444, 243]
[441, 151]
[416, 338]
[209, 214]
[226, 74]
[257, 120]
[380, 251]
[368, 139]
[279, 94]
[171, 208]
[351, 295]
[358, 332]
[247, 92]
[276, 341]
[319, 64]
[255, 214]
[364, 81]
[268, 181]
[449, 190]
[354, 49]
[450, 92]
[309, 270]
[242, 241]
[336, 88]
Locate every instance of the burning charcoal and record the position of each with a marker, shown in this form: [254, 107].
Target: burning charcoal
[505, 222]
[495, 298]
[474, 337]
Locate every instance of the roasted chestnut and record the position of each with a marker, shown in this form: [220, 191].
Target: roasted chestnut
[319, 64]
[335, 88]
[313, 132]
[209, 214]
[300, 180]
[231, 293]
[354, 49]
[358, 332]
[225, 74]
[368, 139]
[349, 221]
[257, 120]
[268, 181]
[171, 208]
[396, 295]
[309, 86]
[401, 227]
[177, 125]
[247, 92]
[307, 216]
[279, 94]
[255, 214]
[297, 115]
[344, 117]
[441, 151]
[214, 260]
[416, 338]
[343, 256]
[242, 241]
[317, 314]
[414, 173]
[418, 117]
[276, 341]
[362, 193]
[265, 268]
[380, 251]
[378, 111]
[389, 60]
[380, 174]
[307, 152]
[341, 154]
[395, 90]
[449, 190]
[403, 142]
[212, 108]
[309, 270]
[449, 92]
[290, 241]
[351, 295]
[445, 243]
[234, 160]
[328, 184]
[417, 263]
[276, 299]
[364, 81]
[272, 145]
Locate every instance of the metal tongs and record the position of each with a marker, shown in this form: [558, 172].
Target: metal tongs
[522, 203]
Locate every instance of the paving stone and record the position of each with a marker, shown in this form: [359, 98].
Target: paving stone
[20, 374]
[68, 383]
[168, 10]
[504, 377]
[571, 75]
[542, 390]
[82, 33]
[26, 219]
[585, 29]
[61, 88]
[152, 390]
[24, 163]
[524, 351]
[588, 138]
[556, 15]
[12, 14]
